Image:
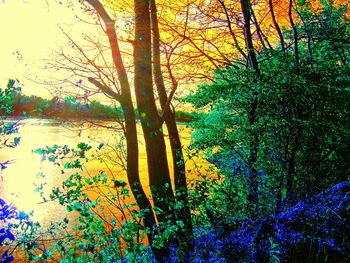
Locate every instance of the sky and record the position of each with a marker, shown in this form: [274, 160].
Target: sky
[29, 32]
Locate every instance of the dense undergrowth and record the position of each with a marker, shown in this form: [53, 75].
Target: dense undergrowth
[314, 230]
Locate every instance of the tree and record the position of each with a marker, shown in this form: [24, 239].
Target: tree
[113, 81]
[125, 100]
[168, 115]
[300, 118]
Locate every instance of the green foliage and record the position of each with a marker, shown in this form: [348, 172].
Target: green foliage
[6, 96]
[108, 225]
[8, 128]
[302, 118]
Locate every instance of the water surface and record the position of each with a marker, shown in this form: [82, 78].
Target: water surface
[17, 182]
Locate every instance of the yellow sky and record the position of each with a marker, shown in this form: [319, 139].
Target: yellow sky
[28, 33]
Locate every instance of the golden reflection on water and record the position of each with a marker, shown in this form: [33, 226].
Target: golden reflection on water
[17, 181]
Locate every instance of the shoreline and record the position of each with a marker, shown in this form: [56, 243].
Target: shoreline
[19, 118]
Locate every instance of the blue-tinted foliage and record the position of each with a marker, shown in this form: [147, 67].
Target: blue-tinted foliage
[7, 212]
[316, 228]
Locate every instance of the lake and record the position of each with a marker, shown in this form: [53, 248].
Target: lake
[17, 182]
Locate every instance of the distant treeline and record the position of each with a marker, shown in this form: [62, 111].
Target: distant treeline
[34, 106]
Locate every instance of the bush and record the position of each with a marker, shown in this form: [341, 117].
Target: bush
[306, 232]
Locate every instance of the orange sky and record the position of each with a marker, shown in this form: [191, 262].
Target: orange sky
[29, 32]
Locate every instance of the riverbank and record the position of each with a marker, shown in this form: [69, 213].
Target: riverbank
[180, 120]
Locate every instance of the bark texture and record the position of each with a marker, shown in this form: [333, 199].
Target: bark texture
[254, 146]
[130, 124]
[183, 213]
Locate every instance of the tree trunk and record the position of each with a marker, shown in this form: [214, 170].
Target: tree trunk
[254, 145]
[295, 35]
[252, 60]
[291, 166]
[158, 169]
[169, 116]
[276, 25]
[130, 125]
